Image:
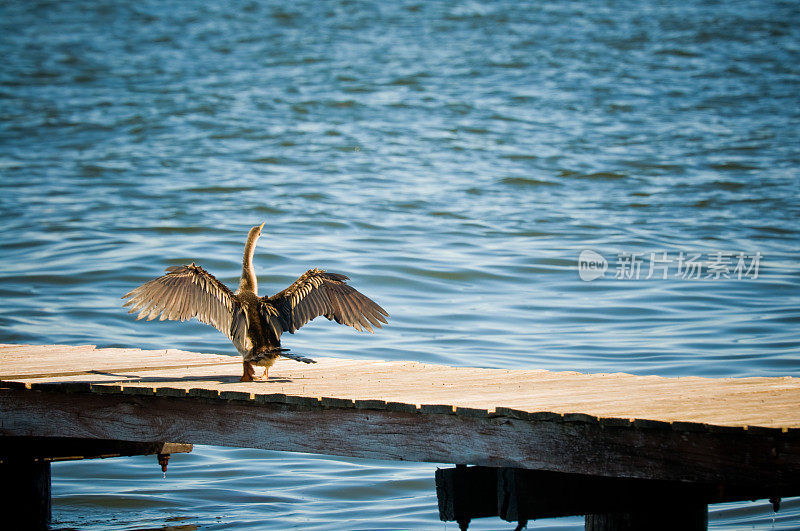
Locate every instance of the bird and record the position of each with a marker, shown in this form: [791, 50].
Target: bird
[254, 324]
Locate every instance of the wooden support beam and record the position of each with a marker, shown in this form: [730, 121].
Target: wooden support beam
[520, 495]
[613, 504]
[69, 448]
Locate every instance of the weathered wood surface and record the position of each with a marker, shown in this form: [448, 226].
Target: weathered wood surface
[767, 402]
[686, 429]
[736, 456]
[48, 361]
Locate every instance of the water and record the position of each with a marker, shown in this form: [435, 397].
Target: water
[452, 158]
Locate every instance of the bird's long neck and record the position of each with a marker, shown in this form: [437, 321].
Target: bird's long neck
[248, 281]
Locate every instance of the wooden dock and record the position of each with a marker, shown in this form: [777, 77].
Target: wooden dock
[739, 434]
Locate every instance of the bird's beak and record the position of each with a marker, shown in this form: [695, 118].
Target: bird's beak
[261, 226]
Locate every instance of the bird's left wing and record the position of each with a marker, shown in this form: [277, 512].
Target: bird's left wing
[316, 293]
[185, 292]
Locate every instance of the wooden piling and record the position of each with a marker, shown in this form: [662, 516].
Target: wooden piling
[25, 503]
[26, 477]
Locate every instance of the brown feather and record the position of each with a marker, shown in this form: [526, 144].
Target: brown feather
[185, 292]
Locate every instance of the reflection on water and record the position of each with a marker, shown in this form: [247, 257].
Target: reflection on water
[452, 159]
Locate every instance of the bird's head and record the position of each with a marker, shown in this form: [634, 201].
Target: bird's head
[255, 232]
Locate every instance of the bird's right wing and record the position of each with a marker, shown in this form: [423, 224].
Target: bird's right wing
[185, 292]
[318, 292]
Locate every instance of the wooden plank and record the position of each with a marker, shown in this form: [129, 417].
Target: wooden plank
[575, 397]
[67, 449]
[733, 457]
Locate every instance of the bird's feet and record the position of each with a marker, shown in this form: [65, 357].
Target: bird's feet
[248, 372]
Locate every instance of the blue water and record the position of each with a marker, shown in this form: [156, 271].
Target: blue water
[453, 158]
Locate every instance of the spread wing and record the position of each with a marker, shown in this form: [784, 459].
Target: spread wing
[185, 292]
[316, 293]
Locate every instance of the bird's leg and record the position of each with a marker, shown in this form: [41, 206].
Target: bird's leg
[265, 376]
[248, 372]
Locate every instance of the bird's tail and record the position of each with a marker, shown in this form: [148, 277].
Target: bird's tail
[296, 357]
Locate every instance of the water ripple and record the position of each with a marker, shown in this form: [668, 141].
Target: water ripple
[453, 160]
